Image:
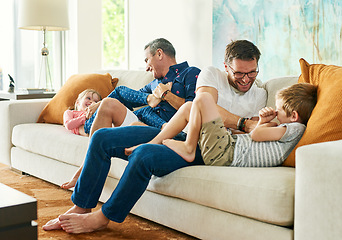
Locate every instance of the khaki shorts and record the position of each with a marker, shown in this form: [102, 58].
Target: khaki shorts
[216, 144]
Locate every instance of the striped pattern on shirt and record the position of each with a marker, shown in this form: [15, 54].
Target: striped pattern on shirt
[249, 153]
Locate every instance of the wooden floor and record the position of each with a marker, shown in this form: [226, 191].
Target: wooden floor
[53, 201]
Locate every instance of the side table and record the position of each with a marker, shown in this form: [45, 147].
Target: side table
[17, 212]
[22, 95]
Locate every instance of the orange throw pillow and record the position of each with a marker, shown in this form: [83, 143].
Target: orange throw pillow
[67, 95]
[325, 121]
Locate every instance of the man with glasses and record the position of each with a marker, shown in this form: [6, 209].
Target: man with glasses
[237, 92]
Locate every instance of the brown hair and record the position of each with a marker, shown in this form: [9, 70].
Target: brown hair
[241, 49]
[82, 94]
[300, 97]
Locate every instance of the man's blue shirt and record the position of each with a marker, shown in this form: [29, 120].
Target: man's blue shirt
[183, 80]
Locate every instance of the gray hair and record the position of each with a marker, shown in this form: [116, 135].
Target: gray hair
[163, 44]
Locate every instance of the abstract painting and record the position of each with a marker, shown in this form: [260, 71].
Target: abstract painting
[284, 31]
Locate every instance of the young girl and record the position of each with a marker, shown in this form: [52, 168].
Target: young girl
[75, 120]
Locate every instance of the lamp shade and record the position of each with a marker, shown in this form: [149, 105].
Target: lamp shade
[51, 15]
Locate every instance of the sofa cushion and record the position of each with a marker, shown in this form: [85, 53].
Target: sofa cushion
[67, 95]
[51, 140]
[325, 121]
[265, 194]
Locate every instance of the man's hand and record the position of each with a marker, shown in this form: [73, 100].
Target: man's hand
[266, 115]
[161, 88]
[250, 125]
[91, 109]
[152, 100]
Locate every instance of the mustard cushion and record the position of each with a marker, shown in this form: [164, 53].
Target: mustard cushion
[325, 121]
[67, 95]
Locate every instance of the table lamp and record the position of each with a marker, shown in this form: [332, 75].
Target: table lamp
[44, 15]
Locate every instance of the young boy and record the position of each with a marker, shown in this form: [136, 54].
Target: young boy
[268, 145]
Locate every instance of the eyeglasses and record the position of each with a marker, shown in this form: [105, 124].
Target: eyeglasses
[241, 75]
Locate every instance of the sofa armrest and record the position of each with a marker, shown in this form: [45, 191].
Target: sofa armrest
[318, 194]
[12, 113]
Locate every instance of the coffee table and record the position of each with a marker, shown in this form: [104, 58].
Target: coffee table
[17, 212]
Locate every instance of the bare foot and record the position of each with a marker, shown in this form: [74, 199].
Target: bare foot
[181, 149]
[128, 151]
[83, 223]
[55, 224]
[70, 184]
[153, 101]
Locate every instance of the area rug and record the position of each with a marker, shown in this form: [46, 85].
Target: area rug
[52, 201]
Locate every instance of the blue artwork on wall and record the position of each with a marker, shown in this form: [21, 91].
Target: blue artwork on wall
[284, 31]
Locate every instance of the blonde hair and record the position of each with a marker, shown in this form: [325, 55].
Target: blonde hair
[300, 97]
[82, 94]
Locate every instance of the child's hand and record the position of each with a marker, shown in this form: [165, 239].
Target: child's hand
[266, 115]
[91, 109]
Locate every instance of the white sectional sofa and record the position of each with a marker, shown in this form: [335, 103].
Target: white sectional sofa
[206, 202]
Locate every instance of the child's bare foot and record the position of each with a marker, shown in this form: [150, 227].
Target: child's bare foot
[55, 224]
[181, 149]
[83, 223]
[128, 151]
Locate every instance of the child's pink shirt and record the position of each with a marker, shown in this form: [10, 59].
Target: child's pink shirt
[73, 120]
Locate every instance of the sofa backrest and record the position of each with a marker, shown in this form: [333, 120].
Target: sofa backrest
[275, 84]
[133, 79]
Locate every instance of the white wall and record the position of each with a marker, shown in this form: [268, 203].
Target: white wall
[84, 48]
[187, 24]
[6, 42]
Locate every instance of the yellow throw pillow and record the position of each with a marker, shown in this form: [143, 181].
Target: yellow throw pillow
[67, 95]
[325, 121]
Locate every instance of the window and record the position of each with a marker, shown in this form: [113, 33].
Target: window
[29, 67]
[113, 32]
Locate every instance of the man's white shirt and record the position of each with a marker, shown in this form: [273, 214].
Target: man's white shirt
[241, 104]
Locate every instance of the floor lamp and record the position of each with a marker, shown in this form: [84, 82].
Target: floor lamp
[44, 15]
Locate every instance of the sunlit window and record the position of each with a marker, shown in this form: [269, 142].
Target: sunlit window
[113, 33]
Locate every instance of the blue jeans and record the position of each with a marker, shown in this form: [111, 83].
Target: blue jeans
[145, 161]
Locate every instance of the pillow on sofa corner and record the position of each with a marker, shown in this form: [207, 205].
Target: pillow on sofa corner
[67, 95]
[325, 121]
